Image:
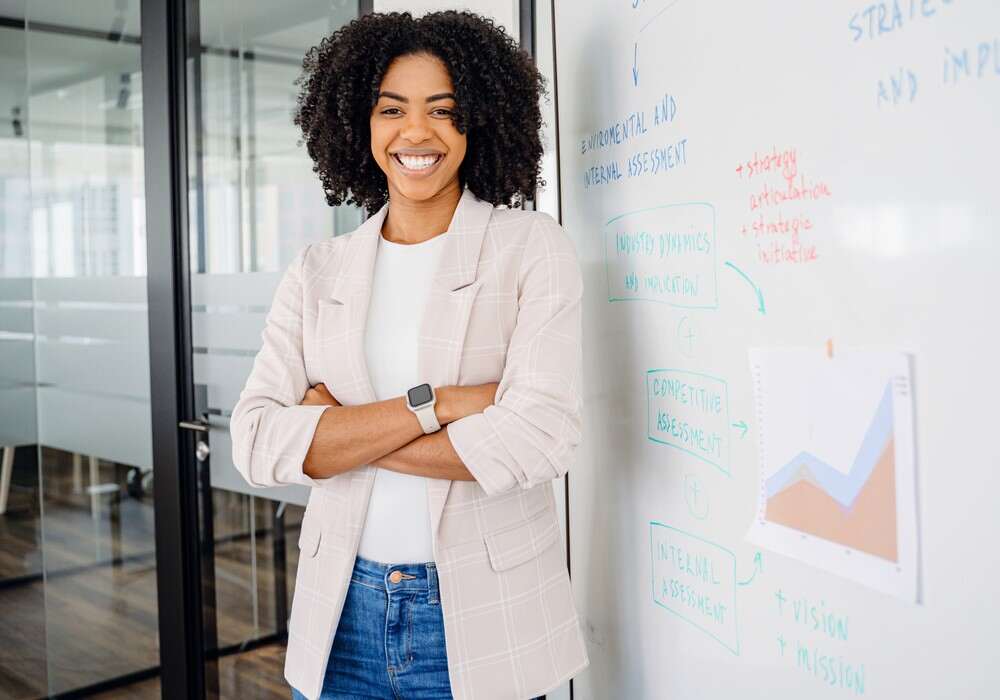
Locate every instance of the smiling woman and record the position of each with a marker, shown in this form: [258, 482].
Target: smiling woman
[422, 375]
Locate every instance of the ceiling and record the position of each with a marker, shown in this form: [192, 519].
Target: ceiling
[66, 56]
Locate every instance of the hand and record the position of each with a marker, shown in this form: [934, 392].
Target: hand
[454, 402]
[319, 395]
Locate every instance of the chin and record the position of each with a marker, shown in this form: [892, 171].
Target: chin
[419, 193]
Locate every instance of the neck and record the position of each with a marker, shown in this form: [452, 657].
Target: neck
[413, 221]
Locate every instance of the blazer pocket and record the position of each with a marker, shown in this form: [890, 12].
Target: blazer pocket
[517, 544]
[310, 534]
[331, 320]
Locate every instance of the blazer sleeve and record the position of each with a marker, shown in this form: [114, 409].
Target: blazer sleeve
[531, 432]
[271, 432]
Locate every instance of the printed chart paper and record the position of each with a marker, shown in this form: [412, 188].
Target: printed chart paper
[837, 471]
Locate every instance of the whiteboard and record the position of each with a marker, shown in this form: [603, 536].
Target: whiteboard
[784, 208]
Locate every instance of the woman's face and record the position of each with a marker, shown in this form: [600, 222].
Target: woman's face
[413, 138]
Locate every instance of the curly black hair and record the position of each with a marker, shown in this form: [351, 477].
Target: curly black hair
[497, 91]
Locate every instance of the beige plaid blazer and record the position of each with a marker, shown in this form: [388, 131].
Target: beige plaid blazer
[505, 307]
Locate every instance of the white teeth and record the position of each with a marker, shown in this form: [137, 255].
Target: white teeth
[417, 162]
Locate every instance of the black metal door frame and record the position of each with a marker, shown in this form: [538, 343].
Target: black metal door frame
[183, 638]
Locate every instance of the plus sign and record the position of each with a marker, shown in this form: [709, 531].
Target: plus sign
[781, 601]
[692, 495]
[781, 641]
[686, 334]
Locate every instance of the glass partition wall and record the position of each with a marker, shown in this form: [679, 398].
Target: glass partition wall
[254, 202]
[77, 561]
[78, 574]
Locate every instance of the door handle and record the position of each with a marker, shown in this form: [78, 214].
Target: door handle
[201, 448]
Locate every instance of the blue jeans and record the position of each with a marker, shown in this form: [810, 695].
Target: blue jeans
[390, 639]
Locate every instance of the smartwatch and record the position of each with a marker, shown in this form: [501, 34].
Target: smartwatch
[420, 399]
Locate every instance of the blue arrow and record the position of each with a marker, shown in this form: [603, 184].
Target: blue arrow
[760, 296]
[742, 425]
[758, 565]
[635, 68]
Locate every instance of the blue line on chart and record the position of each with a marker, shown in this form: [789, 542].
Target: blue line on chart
[843, 488]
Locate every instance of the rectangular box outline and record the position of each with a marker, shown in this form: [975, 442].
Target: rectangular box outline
[652, 577]
[715, 258]
[727, 470]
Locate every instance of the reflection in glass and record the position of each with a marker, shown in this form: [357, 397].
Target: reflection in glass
[77, 563]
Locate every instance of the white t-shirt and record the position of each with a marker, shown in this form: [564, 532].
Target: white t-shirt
[398, 528]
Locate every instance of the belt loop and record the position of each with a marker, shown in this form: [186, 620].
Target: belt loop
[432, 584]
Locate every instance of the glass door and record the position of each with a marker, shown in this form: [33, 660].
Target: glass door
[78, 568]
[79, 594]
[254, 202]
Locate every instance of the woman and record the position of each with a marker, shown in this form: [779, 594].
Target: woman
[422, 375]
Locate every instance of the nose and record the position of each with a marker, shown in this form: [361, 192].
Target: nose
[415, 128]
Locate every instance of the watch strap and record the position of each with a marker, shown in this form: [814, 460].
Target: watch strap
[428, 418]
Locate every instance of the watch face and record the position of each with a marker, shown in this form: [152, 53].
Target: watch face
[419, 395]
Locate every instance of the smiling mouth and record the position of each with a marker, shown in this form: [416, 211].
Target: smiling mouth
[418, 163]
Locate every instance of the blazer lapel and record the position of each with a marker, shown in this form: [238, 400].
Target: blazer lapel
[350, 298]
[446, 317]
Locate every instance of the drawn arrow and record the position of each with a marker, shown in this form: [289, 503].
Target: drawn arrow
[758, 565]
[635, 67]
[760, 296]
[742, 425]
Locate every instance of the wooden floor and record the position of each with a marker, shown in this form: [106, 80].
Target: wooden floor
[78, 591]
[253, 675]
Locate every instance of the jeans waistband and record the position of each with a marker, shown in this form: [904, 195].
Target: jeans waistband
[418, 578]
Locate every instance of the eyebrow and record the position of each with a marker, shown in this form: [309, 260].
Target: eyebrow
[431, 98]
